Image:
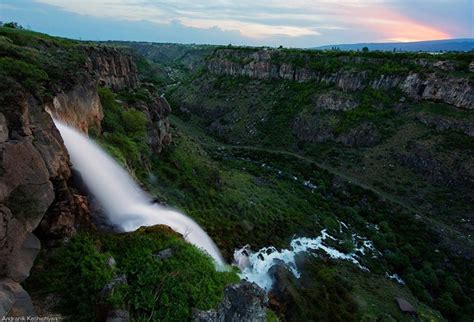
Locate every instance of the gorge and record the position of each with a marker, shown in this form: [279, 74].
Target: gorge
[337, 181]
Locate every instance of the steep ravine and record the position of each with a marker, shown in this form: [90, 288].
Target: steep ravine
[395, 124]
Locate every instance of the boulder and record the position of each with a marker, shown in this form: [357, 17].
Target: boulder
[109, 288]
[118, 316]
[164, 254]
[105, 310]
[405, 306]
[14, 300]
[284, 293]
[242, 302]
[111, 263]
[19, 265]
[336, 101]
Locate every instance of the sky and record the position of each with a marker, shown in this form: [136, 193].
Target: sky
[290, 23]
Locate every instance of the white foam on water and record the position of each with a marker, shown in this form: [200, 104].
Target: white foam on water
[395, 277]
[255, 266]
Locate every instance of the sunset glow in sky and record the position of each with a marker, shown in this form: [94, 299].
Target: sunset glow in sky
[297, 23]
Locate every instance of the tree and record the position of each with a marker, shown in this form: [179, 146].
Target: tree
[13, 25]
[365, 49]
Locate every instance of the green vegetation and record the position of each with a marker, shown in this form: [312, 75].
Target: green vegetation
[228, 201]
[156, 289]
[374, 107]
[329, 61]
[251, 187]
[258, 119]
[238, 201]
[77, 271]
[124, 131]
[30, 76]
[151, 72]
[216, 184]
[37, 61]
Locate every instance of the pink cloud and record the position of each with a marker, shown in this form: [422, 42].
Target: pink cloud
[393, 26]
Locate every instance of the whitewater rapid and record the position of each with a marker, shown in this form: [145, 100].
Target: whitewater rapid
[125, 204]
[255, 265]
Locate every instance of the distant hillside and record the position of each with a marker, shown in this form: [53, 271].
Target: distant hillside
[466, 44]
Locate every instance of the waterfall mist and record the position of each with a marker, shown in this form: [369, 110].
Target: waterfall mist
[125, 204]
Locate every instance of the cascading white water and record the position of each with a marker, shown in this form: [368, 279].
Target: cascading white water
[124, 202]
[255, 266]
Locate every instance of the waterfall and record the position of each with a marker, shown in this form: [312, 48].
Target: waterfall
[125, 204]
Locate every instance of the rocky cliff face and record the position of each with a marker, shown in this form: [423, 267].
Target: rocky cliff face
[80, 106]
[35, 177]
[114, 69]
[157, 111]
[34, 165]
[432, 84]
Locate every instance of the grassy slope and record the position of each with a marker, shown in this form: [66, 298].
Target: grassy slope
[261, 113]
[39, 62]
[156, 289]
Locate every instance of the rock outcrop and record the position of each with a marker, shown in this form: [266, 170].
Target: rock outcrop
[434, 84]
[157, 112]
[79, 107]
[446, 123]
[14, 300]
[336, 101]
[34, 165]
[315, 129]
[242, 302]
[425, 162]
[111, 67]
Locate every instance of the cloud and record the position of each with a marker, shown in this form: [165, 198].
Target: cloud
[117, 9]
[187, 13]
[300, 23]
[247, 29]
[394, 26]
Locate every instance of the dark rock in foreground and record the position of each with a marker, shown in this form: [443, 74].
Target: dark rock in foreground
[242, 302]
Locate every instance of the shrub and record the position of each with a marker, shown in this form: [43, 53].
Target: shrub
[135, 122]
[29, 75]
[157, 289]
[125, 131]
[77, 272]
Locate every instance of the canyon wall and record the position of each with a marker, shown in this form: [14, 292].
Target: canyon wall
[437, 82]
